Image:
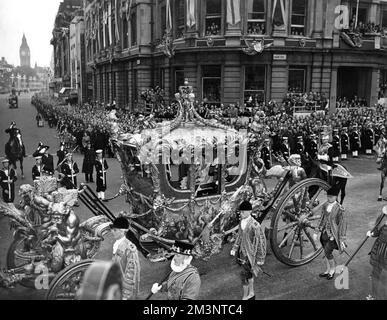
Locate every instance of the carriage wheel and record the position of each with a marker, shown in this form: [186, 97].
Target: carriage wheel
[296, 220]
[17, 257]
[66, 283]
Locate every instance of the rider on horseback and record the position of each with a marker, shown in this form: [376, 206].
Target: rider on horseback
[15, 133]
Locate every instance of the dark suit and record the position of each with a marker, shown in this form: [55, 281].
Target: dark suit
[48, 162]
[88, 164]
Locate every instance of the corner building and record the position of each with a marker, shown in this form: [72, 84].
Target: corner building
[233, 49]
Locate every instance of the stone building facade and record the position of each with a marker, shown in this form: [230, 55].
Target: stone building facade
[232, 50]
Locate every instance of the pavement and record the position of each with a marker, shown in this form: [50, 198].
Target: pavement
[220, 275]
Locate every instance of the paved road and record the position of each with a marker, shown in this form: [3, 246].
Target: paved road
[220, 276]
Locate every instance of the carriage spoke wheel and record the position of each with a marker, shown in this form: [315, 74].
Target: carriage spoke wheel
[67, 283]
[295, 222]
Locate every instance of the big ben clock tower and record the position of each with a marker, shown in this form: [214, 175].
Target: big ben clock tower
[25, 58]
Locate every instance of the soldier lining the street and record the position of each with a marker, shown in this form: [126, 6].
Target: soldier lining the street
[101, 166]
[125, 254]
[8, 178]
[249, 249]
[69, 171]
[333, 226]
[61, 154]
[88, 163]
[184, 281]
[344, 144]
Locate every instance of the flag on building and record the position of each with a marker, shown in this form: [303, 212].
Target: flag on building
[128, 7]
[110, 23]
[191, 8]
[233, 12]
[168, 17]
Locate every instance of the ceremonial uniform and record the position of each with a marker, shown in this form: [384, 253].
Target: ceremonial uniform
[369, 140]
[266, 155]
[336, 146]
[300, 148]
[70, 170]
[344, 144]
[37, 171]
[355, 142]
[313, 147]
[8, 186]
[101, 166]
[61, 153]
[183, 285]
[88, 164]
[378, 260]
[285, 148]
[47, 159]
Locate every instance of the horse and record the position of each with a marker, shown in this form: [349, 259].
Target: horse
[381, 153]
[15, 151]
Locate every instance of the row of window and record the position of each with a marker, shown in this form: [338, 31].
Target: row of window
[254, 82]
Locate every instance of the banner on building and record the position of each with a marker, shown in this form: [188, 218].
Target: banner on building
[128, 7]
[233, 12]
[279, 13]
[168, 17]
[117, 15]
[110, 23]
[191, 8]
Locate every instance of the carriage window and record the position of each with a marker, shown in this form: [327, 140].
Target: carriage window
[207, 181]
[211, 84]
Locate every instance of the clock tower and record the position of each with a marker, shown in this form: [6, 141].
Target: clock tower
[25, 58]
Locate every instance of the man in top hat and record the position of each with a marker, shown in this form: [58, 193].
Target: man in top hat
[345, 147]
[69, 171]
[249, 249]
[184, 281]
[47, 159]
[125, 254]
[336, 142]
[100, 167]
[285, 148]
[355, 142]
[88, 163]
[312, 148]
[266, 154]
[37, 169]
[61, 154]
[7, 179]
[369, 139]
[333, 228]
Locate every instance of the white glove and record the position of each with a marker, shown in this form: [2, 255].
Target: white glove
[232, 253]
[369, 234]
[156, 288]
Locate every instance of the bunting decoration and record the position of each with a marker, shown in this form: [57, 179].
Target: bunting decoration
[168, 17]
[233, 12]
[117, 14]
[255, 47]
[191, 8]
[128, 7]
[279, 13]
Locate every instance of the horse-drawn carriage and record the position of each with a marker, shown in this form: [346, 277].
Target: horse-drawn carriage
[185, 179]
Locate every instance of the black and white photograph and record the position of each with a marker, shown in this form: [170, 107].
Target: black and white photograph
[214, 152]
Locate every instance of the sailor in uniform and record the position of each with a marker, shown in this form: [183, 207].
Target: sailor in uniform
[69, 171]
[344, 144]
[101, 166]
[355, 142]
[184, 281]
[37, 169]
[369, 139]
[336, 142]
[8, 178]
